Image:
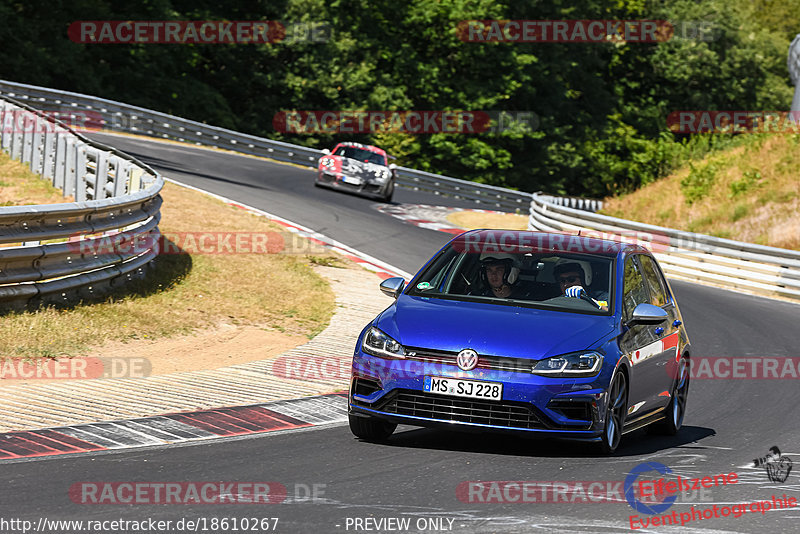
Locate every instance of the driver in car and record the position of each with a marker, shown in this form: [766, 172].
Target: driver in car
[572, 279]
[500, 276]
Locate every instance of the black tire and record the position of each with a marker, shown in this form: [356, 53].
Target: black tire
[387, 196]
[676, 409]
[616, 412]
[369, 428]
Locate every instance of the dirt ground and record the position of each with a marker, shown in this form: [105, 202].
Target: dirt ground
[222, 346]
[211, 349]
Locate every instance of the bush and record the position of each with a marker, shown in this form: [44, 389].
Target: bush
[697, 185]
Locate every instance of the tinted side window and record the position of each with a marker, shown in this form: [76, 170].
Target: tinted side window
[633, 288]
[658, 293]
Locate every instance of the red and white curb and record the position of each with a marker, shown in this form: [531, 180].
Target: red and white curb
[175, 428]
[427, 216]
[380, 268]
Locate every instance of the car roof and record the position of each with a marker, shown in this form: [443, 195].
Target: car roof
[492, 240]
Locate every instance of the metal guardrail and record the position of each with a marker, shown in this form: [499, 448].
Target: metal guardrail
[585, 204]
[696, 257]
[57, 252]
[119, 117]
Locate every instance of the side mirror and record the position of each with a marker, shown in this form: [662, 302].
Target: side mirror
[392, 287]
[647, 314]
[392, 167]
[326, 151]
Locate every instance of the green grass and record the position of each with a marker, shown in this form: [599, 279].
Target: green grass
[749, 193]
[184, 292]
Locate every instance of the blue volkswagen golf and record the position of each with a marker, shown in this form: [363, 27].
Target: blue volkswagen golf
[548, 334]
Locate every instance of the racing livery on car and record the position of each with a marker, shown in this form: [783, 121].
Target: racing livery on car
[358, 168]
[541, 334]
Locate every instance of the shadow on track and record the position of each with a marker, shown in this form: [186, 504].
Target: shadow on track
[634, 444]
[350, 193]
[165, 166]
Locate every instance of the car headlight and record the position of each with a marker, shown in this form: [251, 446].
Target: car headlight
[379, 344]
[573, 364]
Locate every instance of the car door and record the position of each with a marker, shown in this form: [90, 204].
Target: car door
[638, 343]
[667, 333]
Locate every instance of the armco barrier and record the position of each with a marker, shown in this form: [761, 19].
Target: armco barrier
[700, 258]
[49, 253]
[119, 117]
[753, 268]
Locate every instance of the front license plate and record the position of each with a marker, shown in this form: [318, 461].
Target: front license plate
[351, 180]
[472, 389]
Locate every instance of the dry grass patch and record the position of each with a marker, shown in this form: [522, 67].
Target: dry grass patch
[278, 292]
[471, 220]
[20, 186]
[749, 193]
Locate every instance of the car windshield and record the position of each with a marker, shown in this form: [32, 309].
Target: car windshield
[360, 154]
[529, 277]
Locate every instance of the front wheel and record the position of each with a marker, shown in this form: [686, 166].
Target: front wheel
[616, 411]
[369, 428]
[387, 196]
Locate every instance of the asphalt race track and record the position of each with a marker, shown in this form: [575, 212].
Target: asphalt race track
[416, 474]
[289, 192]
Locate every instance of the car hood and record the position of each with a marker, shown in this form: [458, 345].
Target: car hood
[360, 169]
[491, 329]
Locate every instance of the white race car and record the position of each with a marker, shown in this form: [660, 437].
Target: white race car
[363, 169]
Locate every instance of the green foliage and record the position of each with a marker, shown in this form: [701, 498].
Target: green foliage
[749, 179]
[700, 225]
[740, 211]
[601, 108]
[697, 185]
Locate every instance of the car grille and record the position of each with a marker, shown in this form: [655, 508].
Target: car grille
[497, 363]
[431, 406]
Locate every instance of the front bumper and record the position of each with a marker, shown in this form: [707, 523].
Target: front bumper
[393, 390]
[369, 187]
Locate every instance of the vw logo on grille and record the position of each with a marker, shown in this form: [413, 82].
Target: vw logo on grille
[467, 359]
